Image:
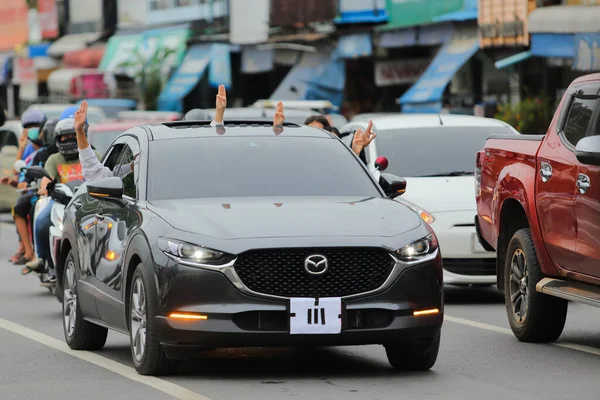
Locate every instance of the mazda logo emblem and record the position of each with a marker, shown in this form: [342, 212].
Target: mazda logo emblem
[316, 264]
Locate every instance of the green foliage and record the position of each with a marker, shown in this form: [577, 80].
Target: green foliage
[31, 4]
[150, 72]
[530, 116]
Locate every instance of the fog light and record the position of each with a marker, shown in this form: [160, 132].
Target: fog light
[189, 316]
[426, 312]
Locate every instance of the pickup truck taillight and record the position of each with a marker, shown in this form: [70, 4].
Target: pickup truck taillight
[478, 166]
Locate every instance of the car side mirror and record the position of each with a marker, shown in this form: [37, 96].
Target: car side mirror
[392, 185]
[587, 150]
[107, 188]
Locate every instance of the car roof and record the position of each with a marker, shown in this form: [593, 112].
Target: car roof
[115, 125]
[432, 120]
[191, 129]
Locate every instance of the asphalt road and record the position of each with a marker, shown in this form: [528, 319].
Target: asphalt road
[479, 358]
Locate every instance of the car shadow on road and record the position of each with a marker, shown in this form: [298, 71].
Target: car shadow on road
[472, 295]
[275, 365]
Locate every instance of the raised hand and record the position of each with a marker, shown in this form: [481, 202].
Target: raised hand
[81, 117]
[363, 139]
[221, 102]
[279, 117]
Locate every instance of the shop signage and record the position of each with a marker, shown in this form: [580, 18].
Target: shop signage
[504, 23]
[407, 13]
[399, 72]
[14, 24]
[24, 71]
[48, 17]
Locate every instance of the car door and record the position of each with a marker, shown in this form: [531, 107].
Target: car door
[557, 174]
[587, 210]
[83, 209]
[116, 221]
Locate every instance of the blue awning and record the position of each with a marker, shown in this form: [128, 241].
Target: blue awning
[514, 59]
[430, 87]
[354, 46]
[559, 45]
[220, 65]
[318, 76]
[361, 12]
[185, 78]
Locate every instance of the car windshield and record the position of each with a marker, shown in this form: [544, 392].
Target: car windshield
[101, 140]
[439, 151]
[255, 166]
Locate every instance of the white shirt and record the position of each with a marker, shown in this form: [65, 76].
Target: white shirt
[92, 169]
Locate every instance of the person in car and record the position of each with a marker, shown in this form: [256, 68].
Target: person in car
[62, 167]
[361, 139]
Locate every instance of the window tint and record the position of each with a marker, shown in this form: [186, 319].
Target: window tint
[578, 119]
[123, 168]
[434, 151]
[244, 166]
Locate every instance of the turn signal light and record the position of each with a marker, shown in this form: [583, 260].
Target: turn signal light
[426, 312]
[188, 316]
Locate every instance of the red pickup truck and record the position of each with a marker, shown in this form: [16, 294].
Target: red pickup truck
[538, 206]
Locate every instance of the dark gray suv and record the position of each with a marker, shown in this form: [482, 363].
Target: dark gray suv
[246, 236]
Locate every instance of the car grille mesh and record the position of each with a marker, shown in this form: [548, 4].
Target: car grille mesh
[281, 272]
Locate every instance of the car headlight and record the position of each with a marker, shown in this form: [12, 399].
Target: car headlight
[419, 249]
[192, 254]
[57, 217]
[425, 216]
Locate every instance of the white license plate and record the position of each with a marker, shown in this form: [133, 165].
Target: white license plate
[315, 316]
[476, 246]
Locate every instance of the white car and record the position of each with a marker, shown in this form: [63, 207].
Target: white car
[436, 155]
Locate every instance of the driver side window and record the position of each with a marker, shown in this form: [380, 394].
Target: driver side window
[126, 168]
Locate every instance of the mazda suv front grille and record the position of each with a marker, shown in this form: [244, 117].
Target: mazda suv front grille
[283, 272]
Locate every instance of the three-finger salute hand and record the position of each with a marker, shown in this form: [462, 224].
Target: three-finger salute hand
[279, 117]
[81, 116]
[221, 102]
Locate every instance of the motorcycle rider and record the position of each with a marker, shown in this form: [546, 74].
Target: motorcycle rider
[62, 167]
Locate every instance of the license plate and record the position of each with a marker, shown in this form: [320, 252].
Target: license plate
[315, 316]
[476, 246]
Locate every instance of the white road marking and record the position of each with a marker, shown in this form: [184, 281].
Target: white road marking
[169, 388]
[506, 331]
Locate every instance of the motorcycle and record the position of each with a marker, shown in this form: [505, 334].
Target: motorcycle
[62, 195]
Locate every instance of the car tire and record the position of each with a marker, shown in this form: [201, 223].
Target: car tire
[414, 357]
[149, 357]
[533, 316]
[79, 333]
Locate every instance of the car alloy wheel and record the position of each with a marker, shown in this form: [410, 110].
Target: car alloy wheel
[70, 300]
[519, 286]
[138, 319]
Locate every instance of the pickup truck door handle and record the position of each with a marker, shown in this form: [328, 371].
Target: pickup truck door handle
[545, 171]
[583, 183]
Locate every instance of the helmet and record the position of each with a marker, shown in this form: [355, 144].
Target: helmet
[48, 132]
[33, 118]
[69, 112]
[197, 114]
[67, 148]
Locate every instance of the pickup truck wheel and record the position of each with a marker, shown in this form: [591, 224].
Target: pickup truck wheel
[533, 316]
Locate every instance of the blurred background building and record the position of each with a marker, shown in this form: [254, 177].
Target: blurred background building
[458, 56]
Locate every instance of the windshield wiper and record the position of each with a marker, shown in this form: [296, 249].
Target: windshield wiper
[453, 173]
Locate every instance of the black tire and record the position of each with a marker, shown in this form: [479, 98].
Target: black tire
[543, 318]
[153, 359]
[414, 357]
[84, 335]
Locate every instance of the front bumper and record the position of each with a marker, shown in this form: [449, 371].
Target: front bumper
[465, 260]
[237, 319]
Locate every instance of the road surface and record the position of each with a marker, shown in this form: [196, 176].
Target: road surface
[479, 358]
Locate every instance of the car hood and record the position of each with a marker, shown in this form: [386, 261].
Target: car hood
[442, 194]
[244, 218]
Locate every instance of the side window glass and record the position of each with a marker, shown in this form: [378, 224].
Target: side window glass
[125, 169]
[113, 155]
[578, 119]
[347, 139]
